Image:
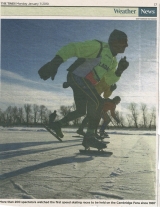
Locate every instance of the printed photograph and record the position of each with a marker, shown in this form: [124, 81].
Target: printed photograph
[78, 109]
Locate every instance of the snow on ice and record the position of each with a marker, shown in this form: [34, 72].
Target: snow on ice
[37, 166]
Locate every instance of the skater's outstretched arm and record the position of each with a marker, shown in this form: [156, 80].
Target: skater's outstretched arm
[50, 69]
[87, 49]
[114, 115]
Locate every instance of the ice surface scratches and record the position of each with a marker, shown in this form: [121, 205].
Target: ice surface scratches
[24, 194]
[107, 195]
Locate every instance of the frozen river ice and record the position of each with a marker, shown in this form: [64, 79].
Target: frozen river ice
[37, 166]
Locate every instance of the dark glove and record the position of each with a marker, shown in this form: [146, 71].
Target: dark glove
[104, 100]
[122, 65]
[113, 87]
[66, 85]
[50, 69]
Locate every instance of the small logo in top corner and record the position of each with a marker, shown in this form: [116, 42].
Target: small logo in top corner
[147, 11]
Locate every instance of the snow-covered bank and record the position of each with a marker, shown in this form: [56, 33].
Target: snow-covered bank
[73, 130]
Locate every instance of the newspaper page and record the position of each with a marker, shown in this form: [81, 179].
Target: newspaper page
[79, 103]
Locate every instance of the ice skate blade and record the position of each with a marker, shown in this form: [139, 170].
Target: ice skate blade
[52, 132]
[106, 142]
[96, 153]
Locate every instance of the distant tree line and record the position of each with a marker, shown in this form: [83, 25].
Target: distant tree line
[26, 115]
[138, 116]
[32, 115]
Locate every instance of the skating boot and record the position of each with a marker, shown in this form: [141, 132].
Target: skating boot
[101, 133]
[106, 135]
[90, 140]
[57, 128]
[99, 137]
[81, 132]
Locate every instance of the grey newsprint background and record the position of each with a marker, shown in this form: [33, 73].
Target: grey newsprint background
[36, 169]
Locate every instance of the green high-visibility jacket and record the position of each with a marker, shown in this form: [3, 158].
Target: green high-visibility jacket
[95, 61]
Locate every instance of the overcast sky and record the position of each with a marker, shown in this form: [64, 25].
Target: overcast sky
[28, 44]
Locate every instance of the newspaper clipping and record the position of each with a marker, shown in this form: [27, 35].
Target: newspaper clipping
[79, 119]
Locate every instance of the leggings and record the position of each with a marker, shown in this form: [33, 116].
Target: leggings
[106, 121]
[87, 100]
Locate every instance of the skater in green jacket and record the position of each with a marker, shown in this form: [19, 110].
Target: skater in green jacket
[95, 61]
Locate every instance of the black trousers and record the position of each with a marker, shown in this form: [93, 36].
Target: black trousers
[85, 122]
[87, 101]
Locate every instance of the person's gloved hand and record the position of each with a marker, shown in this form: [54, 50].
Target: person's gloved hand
[45, 71]
[50, 69]
[122, 65]
[113, 87]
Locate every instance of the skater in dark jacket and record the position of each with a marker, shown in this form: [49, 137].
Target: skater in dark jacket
[52, 117]
[96, 61]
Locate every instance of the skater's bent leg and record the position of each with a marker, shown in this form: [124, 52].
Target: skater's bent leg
[83, 124]
[93, 118]
[94, 108]
[103, 126]
[72, 116]
[80, 103]
[81, 127]
[105, 123]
